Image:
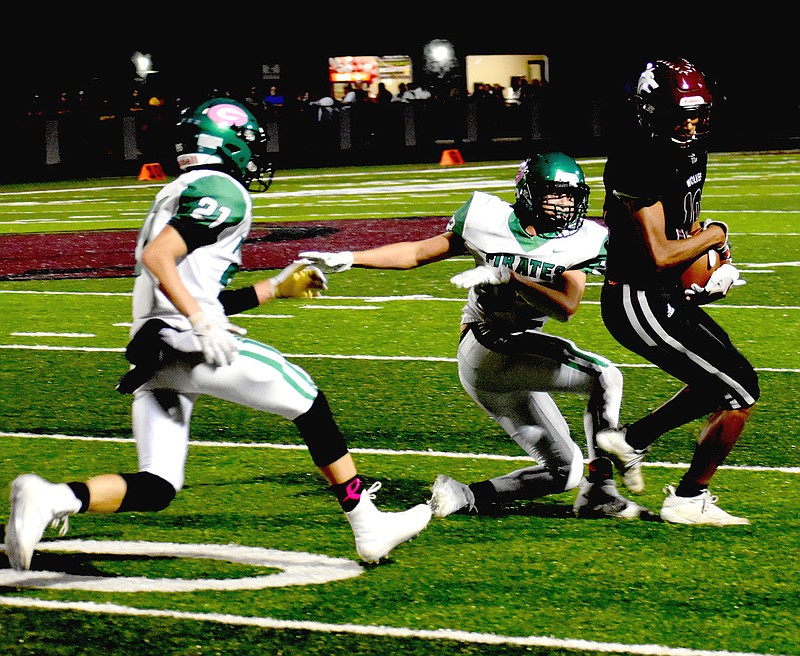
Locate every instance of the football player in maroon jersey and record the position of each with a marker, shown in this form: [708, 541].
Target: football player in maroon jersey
[654, 180]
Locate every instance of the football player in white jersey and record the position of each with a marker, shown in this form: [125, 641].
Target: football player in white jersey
[531, 263]
[183, 346]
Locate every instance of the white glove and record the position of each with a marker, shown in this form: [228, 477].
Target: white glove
[709, 222]
[724, 250]
[717, 287]
[482, 275]
[299, 280]
[330, 262]
[216, 339]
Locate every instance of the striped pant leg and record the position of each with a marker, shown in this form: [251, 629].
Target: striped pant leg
[682, 340]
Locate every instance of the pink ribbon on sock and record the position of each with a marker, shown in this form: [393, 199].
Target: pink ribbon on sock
[351, 490]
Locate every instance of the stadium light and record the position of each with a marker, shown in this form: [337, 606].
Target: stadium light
[440, 57]
[143, 63]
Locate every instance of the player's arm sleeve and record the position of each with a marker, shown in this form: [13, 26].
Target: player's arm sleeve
[632, 181]
[206, 208]
[595, 265]
[235, 301]
[457, 221]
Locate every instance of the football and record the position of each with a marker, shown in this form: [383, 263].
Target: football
[700, 270]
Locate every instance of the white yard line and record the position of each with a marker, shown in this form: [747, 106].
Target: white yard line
[371, 451]
[575, 644]
[327, 356]
[359, 629]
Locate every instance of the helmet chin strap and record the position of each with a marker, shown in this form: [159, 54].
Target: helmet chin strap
[260, 176]
[546, 223]
[258, 185]
[540, 221]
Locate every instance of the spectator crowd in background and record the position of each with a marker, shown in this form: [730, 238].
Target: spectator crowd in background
[89, 120]
[99, 129]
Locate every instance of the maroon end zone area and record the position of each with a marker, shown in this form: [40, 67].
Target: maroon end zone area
[109, 253]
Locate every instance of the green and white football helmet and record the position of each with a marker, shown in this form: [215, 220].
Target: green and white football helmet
[543, 179]
[222, 134]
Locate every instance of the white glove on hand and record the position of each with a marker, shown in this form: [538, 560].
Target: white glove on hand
[717, 287]
[299, 280]
[724, 250]
[329, 262]
[216, 340]
[482, 275]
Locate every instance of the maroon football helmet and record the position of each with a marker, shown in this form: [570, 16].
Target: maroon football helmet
[673, 101]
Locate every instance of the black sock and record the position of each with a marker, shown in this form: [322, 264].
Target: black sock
[348, 493]
[600, 469]
[81, 490]
[689, 489]
[636, 438]
[486, 497]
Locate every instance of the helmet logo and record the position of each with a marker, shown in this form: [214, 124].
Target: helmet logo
[567, 177]
[647, 81]
[692, 101]
[227, 114]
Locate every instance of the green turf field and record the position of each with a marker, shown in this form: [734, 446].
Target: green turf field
[382, 346]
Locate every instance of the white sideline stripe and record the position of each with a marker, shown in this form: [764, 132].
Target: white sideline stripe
[52, 293]
[53, 335]
[316, 176]
[436, 173]
[410, 297]
[372, 451]
[331, 356]
[380, 631]
[339, 307]
[44, 347]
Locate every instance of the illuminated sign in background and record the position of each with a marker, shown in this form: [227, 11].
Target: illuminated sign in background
[390, 69]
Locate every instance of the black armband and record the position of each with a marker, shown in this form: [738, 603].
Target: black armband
[235, 301]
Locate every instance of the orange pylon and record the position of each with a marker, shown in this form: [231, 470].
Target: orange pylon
[451, 157]
[152, 171]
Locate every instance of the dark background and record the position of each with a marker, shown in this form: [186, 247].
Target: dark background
[749, 55]
[595, 56]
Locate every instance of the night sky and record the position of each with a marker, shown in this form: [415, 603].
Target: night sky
[750, 57]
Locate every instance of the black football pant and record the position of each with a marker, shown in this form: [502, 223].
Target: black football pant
[682, 340]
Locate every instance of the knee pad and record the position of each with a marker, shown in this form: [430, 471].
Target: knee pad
[319, 431]
[146, 492]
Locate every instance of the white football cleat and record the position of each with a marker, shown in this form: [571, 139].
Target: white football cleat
[627, 459]
[377, 533]
[449, 496]
[35, 503]
[701, 509]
